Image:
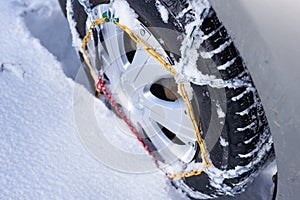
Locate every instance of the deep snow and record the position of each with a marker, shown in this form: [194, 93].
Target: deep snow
[41, 153]
[41, 156]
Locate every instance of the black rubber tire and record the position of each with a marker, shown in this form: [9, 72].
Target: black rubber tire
[223, 158]
[62, 4]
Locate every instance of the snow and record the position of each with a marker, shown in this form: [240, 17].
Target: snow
[220, 112]
[247, 110]
[246, 127]
[227, 64]
[164, 13]
[250, 140]
[190, 50]
[238, 97]
[215, 51]
[126, 14]
[223, 142]
[41, 155]
[15, 69]
[191, 44]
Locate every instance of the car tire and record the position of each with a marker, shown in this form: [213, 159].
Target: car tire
[248, 143]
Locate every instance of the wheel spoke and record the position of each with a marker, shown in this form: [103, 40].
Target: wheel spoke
[165, 147]
[170, 115]
[105, 59]
[114, 41]
[144, 71]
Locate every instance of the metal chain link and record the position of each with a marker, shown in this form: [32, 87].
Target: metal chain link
[100, 85]
[172, 71]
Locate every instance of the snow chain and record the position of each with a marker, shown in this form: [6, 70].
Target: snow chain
[100, 86]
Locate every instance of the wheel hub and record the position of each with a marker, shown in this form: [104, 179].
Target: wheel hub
[145, 90]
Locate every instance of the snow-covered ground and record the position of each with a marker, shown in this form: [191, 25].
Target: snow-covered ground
[41, 154]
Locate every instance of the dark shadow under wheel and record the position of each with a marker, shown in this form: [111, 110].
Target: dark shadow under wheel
[245, 143]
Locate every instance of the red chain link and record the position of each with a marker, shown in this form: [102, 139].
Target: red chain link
[100, 85]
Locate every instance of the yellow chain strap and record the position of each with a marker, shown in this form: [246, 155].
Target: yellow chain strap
[84, 45]
[172, 71]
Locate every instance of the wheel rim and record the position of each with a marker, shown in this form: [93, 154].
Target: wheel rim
[137, 82]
